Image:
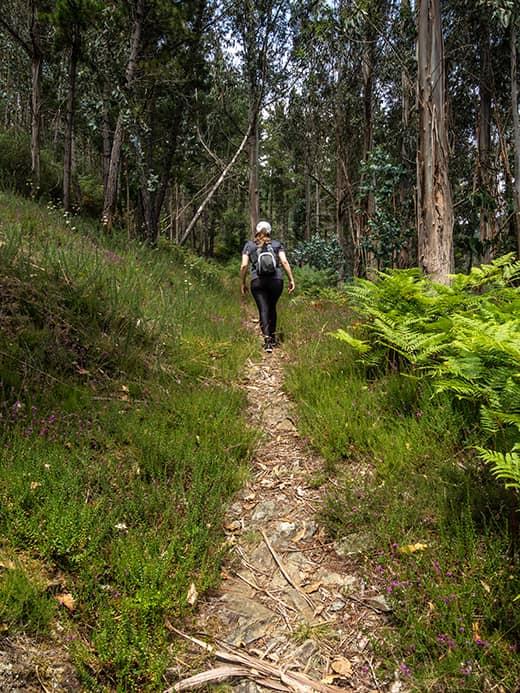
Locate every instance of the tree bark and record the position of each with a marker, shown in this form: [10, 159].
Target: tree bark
[252, 147]
[69, 121]
[110, 201]
[516, 132]
[434, 200]
[488, 227]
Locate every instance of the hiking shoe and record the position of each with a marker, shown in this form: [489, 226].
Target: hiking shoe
[268, 345]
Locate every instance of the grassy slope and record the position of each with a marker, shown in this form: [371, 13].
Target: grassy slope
[404, 473]
[122, 437]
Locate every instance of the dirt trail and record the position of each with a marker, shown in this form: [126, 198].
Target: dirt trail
[288, 598]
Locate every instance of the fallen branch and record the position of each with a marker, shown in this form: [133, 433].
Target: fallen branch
[285, 573]
[216, 186]
[212, 676]
[257, 669]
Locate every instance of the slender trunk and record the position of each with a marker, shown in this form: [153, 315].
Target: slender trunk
[110, 201]
[404, 255]
[434, 201]
[317, 195]
[107, 144]
[308, 201]
[516, 132]
[484, 176]
[36, 100]
[69, 122]
[252, 147]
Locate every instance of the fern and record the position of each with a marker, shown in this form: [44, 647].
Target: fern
[505, 466]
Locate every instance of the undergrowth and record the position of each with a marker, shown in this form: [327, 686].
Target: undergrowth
[439, 531]
[122, 437]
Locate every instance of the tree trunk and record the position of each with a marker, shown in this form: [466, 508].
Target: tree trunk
[36, 100]
[369, 202]
[252, 147]
[488, 227]
[110, 201]
[69, 121]
[434, 201]
[107, 144]
[516, 132]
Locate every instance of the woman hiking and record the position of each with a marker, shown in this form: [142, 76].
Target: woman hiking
[266, 256]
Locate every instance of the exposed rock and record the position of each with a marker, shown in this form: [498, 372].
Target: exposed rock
[353, 544]
[263, 510]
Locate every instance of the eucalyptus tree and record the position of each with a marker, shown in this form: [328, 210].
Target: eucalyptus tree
[137, 10]
[260, 32]
[434, 196]
[71, 19]
[23, 22]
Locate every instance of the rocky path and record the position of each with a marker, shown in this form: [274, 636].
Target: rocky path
[293, 611]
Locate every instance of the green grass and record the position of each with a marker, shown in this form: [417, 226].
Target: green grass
[405, 472]
[122, 434]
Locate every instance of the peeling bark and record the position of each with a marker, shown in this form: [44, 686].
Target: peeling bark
[434, 200]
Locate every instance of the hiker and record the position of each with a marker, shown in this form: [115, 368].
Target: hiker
[266, 256]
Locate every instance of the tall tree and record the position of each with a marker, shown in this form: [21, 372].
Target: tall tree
[434, 197]
[138, 13]
[22, 21]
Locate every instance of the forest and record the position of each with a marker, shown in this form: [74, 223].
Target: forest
[178, 508]
[389, 128]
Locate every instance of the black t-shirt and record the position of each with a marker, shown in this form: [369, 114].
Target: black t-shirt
[251, 249]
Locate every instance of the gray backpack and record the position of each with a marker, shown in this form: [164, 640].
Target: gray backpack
[266, 261]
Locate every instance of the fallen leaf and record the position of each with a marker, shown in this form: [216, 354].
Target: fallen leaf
[193, 595]
[6, 564]
[313, 587]
[299, 536]
[328, 680]
[412, 548]
[342, 666]
[67, 600]
[476, 631]
[485, 586]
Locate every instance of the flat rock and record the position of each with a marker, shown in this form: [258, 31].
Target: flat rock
[264, 510]
[248, 620]
[353, 544]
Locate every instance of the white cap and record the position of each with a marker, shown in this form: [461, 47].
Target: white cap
[263, 226]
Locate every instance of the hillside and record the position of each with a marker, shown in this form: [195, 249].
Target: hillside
[122, 434]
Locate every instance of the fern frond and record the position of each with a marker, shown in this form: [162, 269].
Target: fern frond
[505, 466]
[357, 344]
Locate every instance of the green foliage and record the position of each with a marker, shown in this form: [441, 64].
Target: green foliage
[321, 254]
[464, 338]
[122, 435]
[15, 167]
[24, 605]
[403, 473]
[381, 177]
[312, 281]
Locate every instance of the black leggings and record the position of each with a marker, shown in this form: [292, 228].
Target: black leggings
[266, 292]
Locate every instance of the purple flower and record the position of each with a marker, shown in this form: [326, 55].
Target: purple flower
[405, 669]
[466, 669]
[481, 643]
[444, 639]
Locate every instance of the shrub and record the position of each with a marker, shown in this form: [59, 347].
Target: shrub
[15, 167]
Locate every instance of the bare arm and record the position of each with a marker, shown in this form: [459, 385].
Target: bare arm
[287, 267]
[243, 273]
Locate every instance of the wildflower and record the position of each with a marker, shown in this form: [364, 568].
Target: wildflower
[444, 639]
[405, 669]
[121, 526]
[466, 669]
